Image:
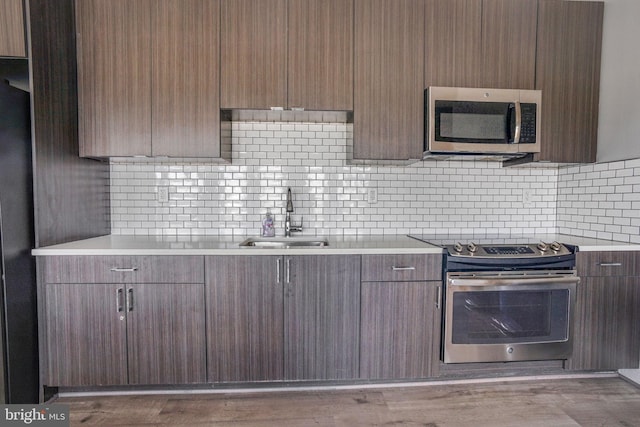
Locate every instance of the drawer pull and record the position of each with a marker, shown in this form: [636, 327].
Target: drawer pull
[610, 264]
[394, 268]
[124, 270]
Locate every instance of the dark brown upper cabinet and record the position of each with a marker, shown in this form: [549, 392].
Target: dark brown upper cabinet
[389, 80]
[481, 43]
[509, 44]
[453, 54]
[568, 73]
[114, 77]
[185, 79]
[321, 54]
[287, 54]
[12, 40]
[253, 54]
[148, 78]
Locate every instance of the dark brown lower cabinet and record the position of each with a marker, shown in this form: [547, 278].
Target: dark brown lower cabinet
[607, 324]
[245, 318]
[321, 317]
[110, 334]
[274, 318]
[400, 329]
[166, 334]
[86, 335]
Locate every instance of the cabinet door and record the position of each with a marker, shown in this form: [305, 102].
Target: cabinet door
[568, 73]
[320, 61]
[400, 326]
[607, 324]
[244, 318]
[86, 335]
[253, 54]
[321, 317]
[185, 64]
[114, 77]
[166, 333]
[389, 79]
[509, 43]
[453, 54]
[12, 29]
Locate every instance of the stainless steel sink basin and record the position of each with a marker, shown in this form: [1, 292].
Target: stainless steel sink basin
[285, 242]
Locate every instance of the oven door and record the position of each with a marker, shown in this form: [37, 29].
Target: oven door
[508, 316]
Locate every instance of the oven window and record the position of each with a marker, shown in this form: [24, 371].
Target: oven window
[503, 317]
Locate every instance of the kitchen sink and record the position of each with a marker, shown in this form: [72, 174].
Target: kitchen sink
[285, 242]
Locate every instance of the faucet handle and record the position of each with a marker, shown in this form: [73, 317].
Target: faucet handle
[298, 227]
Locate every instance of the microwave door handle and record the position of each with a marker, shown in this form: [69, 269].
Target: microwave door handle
[516, 137]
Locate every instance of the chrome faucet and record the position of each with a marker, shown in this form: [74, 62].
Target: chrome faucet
[288, 227]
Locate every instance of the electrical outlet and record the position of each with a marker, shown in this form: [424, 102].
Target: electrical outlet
[527, 198]
[163, 194]
[372, 195]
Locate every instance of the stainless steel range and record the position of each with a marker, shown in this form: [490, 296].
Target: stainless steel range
[507, 299]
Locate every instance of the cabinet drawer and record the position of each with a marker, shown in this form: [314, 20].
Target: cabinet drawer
[610, 263]
[124, 269]
[404, 267]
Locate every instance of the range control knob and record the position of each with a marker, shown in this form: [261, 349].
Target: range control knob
[471, 247]
[457, 247]
[543, 246]
[555, 246]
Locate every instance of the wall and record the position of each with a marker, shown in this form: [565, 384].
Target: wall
[268, 157]
[619, 82]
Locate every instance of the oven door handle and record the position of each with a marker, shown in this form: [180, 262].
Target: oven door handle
[499, 282]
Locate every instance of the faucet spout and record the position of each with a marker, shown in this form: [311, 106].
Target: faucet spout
[289, 201]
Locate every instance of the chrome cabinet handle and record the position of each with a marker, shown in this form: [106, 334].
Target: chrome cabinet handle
[278, 271]
[130, 299]
[124, 270]
[516, 137]
[438, 297]
[120, 300]
[610, 264]
[394, 268]
[288, 271]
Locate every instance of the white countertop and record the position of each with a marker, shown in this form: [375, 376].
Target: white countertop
[202, 245]
[209, 245]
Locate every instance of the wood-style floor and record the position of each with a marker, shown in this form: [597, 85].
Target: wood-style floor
[544, 403]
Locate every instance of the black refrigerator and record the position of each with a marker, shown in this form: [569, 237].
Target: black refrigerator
[18, 297]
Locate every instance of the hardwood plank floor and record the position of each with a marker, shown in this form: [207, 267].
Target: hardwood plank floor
[547, 402]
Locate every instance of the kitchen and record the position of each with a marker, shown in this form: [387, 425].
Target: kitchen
[272, 151]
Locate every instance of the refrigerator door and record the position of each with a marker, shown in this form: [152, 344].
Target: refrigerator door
[19, 285]
[3, 338]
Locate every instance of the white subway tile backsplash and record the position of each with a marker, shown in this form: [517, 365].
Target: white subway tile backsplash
[331, 196]
[603, 205]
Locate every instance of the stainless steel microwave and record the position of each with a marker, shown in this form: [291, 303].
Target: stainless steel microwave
[482, 121]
